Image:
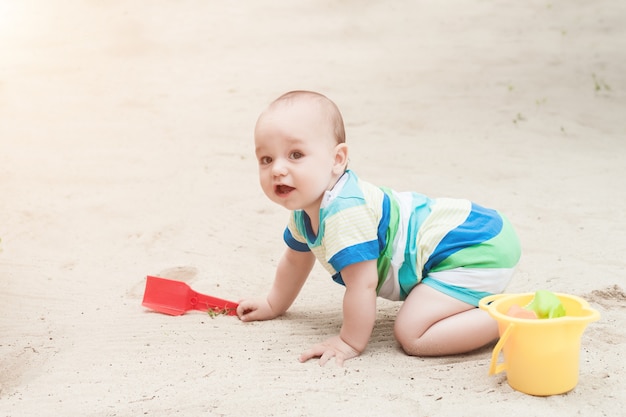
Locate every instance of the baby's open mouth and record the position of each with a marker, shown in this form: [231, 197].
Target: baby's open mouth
[283, 189]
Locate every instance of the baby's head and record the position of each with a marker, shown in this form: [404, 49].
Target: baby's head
[300, 148]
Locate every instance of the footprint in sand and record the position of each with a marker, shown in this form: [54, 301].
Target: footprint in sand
[612, 297]
[20, 365]
[608, 330]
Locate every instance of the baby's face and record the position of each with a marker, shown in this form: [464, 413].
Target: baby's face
[297, 155]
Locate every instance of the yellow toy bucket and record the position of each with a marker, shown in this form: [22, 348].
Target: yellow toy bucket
[541, 356]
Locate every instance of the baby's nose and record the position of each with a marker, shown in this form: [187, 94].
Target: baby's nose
[279, 167]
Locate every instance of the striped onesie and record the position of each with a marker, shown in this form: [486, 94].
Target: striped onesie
[453, 245]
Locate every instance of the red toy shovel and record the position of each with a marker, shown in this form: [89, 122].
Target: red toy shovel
[176, 298]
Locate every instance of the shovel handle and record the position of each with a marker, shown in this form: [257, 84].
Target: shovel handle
[206, 302]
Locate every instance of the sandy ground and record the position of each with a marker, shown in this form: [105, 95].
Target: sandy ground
[125, 150]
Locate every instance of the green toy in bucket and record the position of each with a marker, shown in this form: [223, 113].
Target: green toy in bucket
[544, 305]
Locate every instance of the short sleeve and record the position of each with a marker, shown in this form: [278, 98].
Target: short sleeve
[293, 237]
[351, 236]
[294, 243]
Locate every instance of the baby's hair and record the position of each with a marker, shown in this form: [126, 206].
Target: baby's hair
[326, 105]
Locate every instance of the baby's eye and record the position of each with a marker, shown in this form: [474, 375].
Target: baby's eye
[296, 155]
[265, 160]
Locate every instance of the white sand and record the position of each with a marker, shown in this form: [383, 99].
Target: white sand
[126, 150]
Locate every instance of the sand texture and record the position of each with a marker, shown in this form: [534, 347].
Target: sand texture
[126, 150]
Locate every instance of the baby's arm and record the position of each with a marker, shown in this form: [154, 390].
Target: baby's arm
[359, 316]
[292, 271]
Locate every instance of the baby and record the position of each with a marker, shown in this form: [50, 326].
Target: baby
[440, 256]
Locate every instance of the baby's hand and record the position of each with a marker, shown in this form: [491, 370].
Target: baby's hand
[333, 347]
[254, 309]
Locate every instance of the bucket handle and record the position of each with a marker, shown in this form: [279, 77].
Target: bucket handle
[495, 367]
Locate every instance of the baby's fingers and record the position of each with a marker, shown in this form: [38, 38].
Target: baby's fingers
[314, 352]
[325, 354]
[246, 310]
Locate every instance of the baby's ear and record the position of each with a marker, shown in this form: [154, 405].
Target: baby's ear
[341, 158]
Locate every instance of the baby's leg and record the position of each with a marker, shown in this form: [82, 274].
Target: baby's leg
[431, 323]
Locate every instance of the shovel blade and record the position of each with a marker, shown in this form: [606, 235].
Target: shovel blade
[167, 296]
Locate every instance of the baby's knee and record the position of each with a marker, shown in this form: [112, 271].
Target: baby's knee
[408, 341]
[419, 342]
